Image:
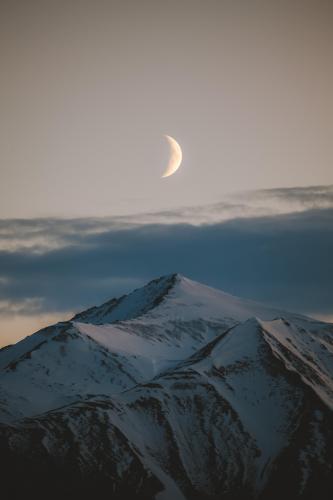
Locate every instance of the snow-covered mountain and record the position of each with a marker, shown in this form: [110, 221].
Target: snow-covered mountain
[176, 390]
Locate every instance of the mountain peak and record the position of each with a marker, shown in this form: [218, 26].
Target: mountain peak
[131, 305]
[171, 380]
[177, 298]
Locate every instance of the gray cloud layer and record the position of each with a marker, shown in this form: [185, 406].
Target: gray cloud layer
[45, 234]
[281, 259]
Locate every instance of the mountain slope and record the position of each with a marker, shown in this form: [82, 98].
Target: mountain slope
[142, 333]
[175, 391]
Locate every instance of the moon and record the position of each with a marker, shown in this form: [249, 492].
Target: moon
[176, 157]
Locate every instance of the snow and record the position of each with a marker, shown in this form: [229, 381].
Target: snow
[177, 359]
[129, 306]
[304, 352]
[250, 388]
[144, 334]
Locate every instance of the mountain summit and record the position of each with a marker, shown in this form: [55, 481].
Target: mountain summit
[176, 390]
[135, 304]
[177, 296]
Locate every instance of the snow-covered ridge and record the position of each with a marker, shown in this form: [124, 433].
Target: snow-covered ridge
[110, 348]
[307, 353]
[189, 391]
[135, 304]
[176, 297]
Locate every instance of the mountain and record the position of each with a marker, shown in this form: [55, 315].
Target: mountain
[176, 390]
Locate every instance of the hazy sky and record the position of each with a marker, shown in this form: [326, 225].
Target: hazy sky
[88, 88]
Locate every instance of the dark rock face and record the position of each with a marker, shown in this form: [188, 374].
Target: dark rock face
[217, 407]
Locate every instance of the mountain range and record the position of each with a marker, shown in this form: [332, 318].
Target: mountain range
[174, 391]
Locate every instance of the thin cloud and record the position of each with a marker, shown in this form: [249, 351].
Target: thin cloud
[26, 306]
[43, 235]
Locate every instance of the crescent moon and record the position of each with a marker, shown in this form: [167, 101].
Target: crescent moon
[176, 157]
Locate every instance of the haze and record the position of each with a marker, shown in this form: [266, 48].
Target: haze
[89, 89]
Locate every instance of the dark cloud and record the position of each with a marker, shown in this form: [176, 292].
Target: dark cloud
[284, 260]
[309, 196]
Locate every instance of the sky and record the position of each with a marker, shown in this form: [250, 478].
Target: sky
[88, 90]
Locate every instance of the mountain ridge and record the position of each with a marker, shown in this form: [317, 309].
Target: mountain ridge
[175, 390]
[160, 286]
